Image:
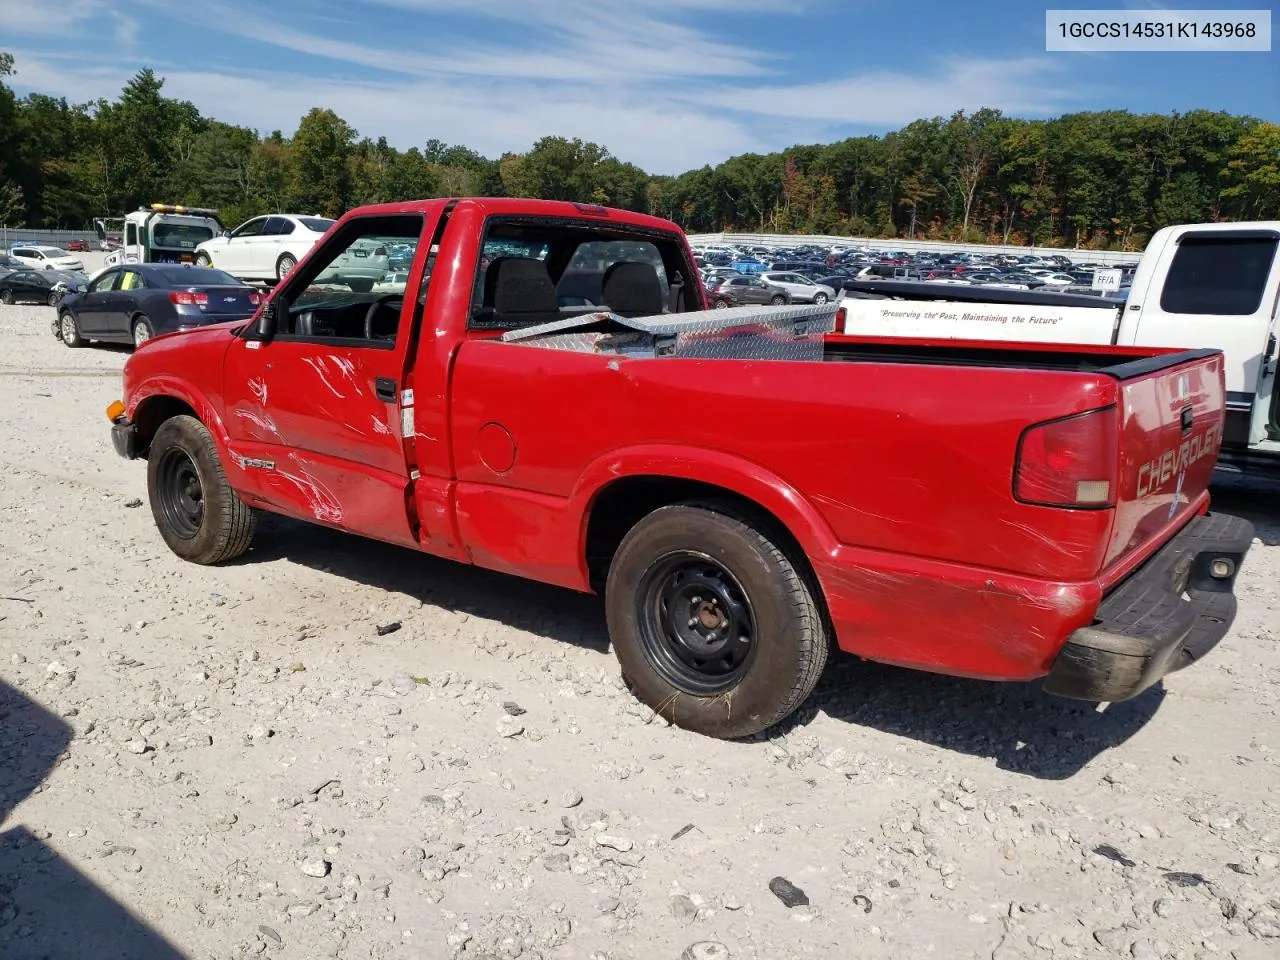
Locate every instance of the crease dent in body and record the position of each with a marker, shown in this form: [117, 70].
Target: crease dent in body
[321, 502]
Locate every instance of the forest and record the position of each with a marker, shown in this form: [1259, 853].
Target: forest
[1102, 180]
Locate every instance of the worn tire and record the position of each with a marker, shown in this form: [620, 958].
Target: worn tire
[789, 630]
[225, 528]
[6, 297]
[285, 265]
[778, 300]
[821, 299]
[203, 259]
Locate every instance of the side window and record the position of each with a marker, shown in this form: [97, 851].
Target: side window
[130, 234]
[131, 280]
[250, 228]
[348, 292]
[1218, 274]
[105, 283]
[272, 228]
[280, 227]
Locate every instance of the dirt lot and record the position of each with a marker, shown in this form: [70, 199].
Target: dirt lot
[229, 762]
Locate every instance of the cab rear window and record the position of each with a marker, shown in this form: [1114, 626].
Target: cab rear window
[1226, 275]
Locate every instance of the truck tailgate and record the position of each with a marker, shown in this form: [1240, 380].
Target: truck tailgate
[1171, 416]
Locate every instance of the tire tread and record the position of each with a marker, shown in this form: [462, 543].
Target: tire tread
[810, 642]
[236, 521]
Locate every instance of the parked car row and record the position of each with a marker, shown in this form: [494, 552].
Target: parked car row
[832, 268]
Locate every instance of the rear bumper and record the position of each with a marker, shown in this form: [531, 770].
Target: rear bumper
[1169, 613]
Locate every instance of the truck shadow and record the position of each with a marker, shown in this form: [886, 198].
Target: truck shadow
[1257, 499]
[48, 908]
[536, 608]
[1022, 728]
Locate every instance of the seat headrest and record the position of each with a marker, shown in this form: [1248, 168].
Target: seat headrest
[519, 285]
[632, 289]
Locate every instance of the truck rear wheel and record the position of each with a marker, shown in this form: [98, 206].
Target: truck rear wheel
[198, 514]
[715, 628]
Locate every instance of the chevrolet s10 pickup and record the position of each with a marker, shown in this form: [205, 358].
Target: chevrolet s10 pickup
[545, 393]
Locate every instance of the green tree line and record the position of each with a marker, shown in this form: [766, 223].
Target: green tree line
[1103, 179]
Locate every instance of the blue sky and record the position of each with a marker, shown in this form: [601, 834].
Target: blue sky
[667, 84]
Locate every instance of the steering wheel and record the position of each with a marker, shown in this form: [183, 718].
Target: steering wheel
[372, 312]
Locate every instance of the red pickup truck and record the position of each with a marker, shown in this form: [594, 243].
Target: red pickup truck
[545, 393]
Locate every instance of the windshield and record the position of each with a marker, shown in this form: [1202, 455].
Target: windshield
[179, 236]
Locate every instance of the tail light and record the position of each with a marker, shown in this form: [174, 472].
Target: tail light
[188, 298]
[380, 252]
[256, 298]
[1070, 462]
[842, 314]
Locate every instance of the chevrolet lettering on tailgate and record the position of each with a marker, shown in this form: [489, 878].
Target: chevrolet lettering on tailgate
[1153, 475]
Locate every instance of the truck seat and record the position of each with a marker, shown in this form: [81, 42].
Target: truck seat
[518, 292]
[632, 289]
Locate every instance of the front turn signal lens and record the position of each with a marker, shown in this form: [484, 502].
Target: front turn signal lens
[115, 410]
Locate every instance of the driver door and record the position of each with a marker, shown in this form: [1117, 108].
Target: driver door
[236, 252]
[314, 411]
[91, 311]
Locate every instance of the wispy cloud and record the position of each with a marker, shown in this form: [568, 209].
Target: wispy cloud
[126, 29]
[1025, 87]
[22, 19]
[660, 83]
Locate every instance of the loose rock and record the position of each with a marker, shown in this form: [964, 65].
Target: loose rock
[788, 892]
[315, 867]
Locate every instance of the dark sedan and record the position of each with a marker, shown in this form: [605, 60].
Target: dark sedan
[133, 303]
[27, 286]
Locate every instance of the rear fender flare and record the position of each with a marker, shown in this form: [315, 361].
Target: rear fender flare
[714, 467]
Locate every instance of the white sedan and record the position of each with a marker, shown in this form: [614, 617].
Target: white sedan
[264, 248]
[36, 257]
[1057, 279]
[801, 288]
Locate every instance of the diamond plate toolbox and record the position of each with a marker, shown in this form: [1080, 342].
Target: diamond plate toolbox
[739, 333]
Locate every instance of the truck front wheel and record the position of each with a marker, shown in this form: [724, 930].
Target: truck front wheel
[198, 514]
[715, 628]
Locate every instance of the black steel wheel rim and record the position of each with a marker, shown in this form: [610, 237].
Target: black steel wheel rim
[696, 623]
[180, 493]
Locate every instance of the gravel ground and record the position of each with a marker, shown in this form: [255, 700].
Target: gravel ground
[229, 762]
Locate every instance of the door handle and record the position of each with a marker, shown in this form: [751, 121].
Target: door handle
[385, 388]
